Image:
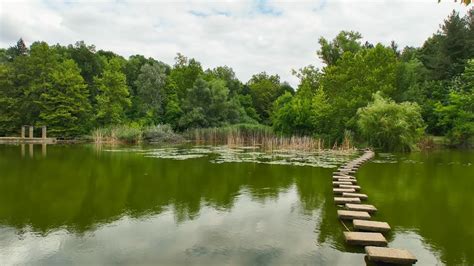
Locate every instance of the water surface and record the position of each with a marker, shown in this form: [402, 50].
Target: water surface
[213, 205]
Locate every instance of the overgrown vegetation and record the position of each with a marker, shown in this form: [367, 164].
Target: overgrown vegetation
[75, 90]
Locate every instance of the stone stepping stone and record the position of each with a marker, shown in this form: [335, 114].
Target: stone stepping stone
[342, 190]
[352, 181]
[339, 183]
[344, 177]
[361, 207]
[372, 226]
[351, 215]
[390, 255]
[344, 200]
[365, 239]
[350, 186]
[355, 195]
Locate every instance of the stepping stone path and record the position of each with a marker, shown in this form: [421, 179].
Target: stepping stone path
[369, 233]
[350, 215]
[365, 239]
[342, 190]
[355, 187]
[372, 226]
[361, 207]
[390, 255]
[355, 195]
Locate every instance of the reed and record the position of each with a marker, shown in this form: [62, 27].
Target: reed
[261, 136]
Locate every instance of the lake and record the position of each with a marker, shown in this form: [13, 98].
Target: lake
[82, 204]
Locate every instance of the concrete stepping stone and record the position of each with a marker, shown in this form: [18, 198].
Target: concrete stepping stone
[351, 215]
[344, 200]
[342, 190]
[365, 239]
[339, 183]
[345, 177]
[390, 255]
[355, 187]
[361, 207]
[352, 181]
[355, 195]
[372, 226]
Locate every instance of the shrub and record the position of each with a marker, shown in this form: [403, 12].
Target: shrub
[389, 125]
[160, 134]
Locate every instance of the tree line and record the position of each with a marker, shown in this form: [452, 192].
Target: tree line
[381, 95]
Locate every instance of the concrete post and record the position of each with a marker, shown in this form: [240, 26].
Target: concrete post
[43, 132]
[31, 132]
[23, 132]
[43, 149]
[30, 146]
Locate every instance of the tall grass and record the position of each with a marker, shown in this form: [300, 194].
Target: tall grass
[261, 136]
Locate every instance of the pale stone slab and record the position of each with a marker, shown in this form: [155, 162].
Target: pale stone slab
[344, 200]
[355, 187]
[355, 195]
[350, 215]
[352, 181]
[339, 183]
[342, 190]
[365, 239]
[361, 207]
[390, 255]
[372, 226]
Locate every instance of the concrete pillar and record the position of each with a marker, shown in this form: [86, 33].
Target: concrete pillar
[30, 146]
[31, 132]
[43, 149]
[23, 132]
[43, 132]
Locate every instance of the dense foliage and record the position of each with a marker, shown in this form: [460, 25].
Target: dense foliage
[390, 125]
[74, 89]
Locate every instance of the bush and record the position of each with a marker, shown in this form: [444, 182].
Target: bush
[160, 134]
[389, 125]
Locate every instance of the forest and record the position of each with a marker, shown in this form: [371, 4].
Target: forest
[380, 95]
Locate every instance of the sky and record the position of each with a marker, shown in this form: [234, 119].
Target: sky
[250, 36]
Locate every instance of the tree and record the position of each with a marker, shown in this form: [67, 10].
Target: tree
[456, 115]
[350, 83]
[64, 106]
[345, 41]
[113, 95]
[264, 89]
[150, 86]
[389, 125]
[184, 73]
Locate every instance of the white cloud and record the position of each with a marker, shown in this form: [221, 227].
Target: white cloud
[249, 36]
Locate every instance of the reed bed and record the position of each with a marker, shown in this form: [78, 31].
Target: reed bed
[261, 136]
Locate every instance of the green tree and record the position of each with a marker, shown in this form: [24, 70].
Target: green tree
[64, 106]
[113, 95]
[151, 91]
[345, 41]
[350, 83]
[456, 115]
[184, 73]
[391, 126]
[265, 89]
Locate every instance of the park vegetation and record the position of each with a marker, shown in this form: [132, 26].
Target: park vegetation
[372, 94]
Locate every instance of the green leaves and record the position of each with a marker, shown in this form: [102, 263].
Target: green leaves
[389, 125]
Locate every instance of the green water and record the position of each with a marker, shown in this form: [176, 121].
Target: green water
[84, 205]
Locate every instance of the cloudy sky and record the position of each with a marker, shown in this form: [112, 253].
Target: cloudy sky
[250, 35]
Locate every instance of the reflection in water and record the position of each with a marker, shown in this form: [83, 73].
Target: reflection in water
[427, 195]
[86, 205]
